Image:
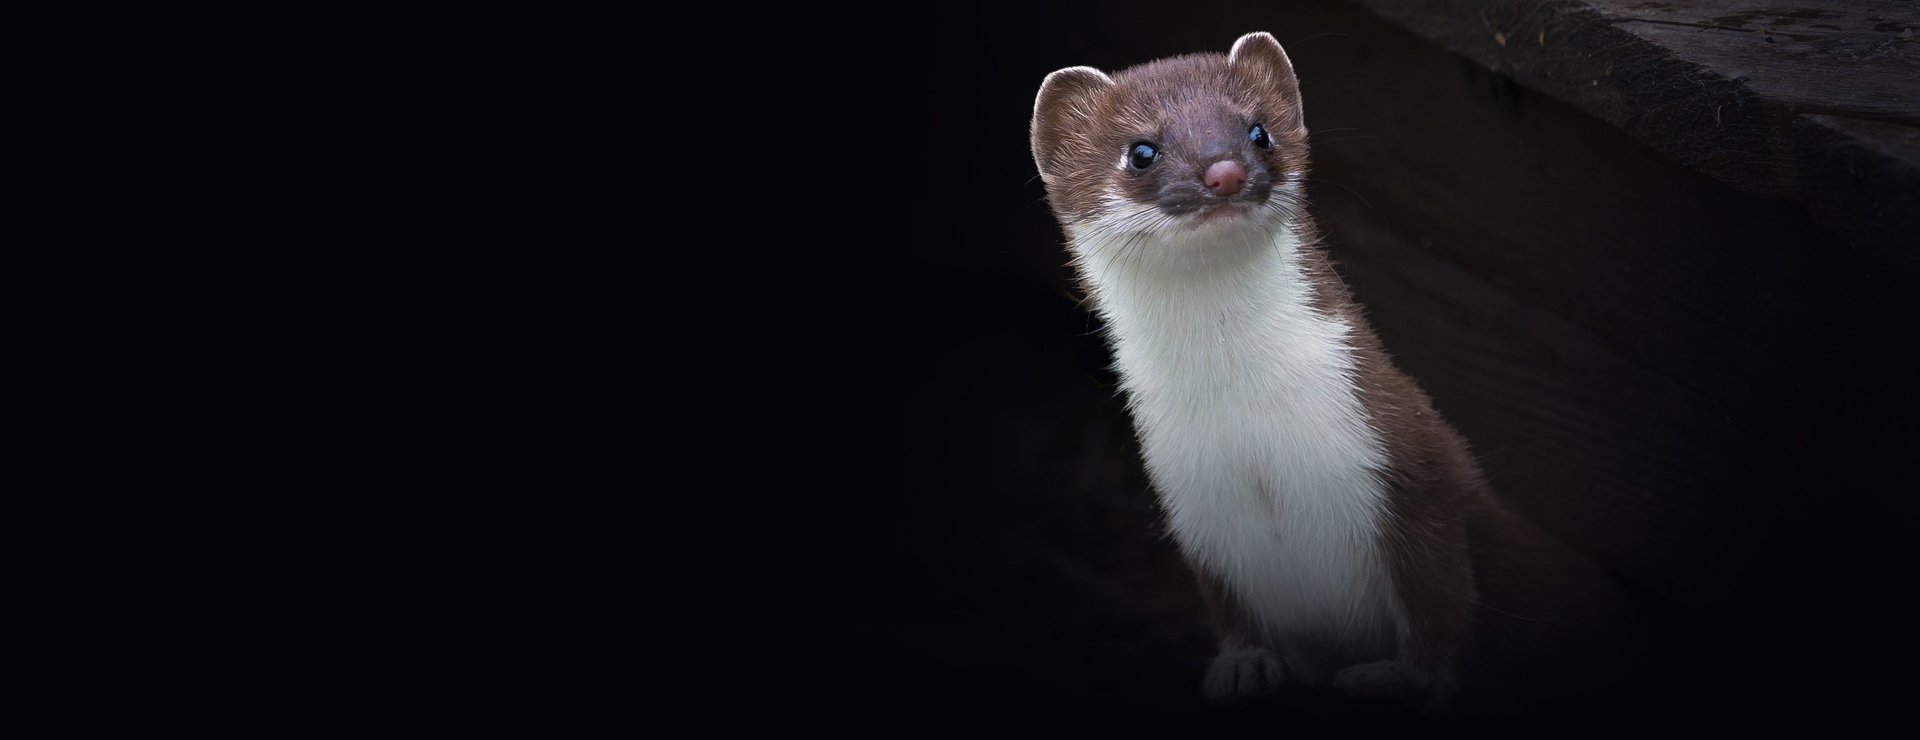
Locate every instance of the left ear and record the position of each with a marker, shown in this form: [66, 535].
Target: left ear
[1258, 56]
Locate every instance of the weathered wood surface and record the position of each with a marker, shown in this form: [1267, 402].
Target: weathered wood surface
[1815, 103]
[1640, 355]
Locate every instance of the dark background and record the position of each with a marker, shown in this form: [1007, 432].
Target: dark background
[1698, 386]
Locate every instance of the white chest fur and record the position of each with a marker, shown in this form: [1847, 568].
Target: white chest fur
[1255, 438]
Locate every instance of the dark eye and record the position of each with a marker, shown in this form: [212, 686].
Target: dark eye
[1141, 155]
[1259, 136]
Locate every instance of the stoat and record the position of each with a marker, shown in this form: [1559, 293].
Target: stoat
[1338, 527]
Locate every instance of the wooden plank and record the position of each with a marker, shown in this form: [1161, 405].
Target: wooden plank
[1638, 351]
[1686, 277]
[1756, 95]
[1848, 58]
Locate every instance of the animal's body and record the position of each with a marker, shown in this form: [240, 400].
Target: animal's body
[1339, 527]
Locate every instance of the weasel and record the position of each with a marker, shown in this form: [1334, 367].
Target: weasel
[1340, 530]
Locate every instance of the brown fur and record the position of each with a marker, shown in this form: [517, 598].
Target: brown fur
[1489, 596]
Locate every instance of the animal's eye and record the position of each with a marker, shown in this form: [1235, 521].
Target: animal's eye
[1259, 136]
[1142, 155]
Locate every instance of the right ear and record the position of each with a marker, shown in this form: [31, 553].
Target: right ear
[1063, 111]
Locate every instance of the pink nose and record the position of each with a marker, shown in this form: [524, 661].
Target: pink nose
[1225, 177]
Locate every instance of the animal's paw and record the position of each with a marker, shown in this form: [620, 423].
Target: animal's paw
[1386, 680]
[1242, 673]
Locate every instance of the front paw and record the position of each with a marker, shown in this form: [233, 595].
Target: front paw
[1244, 672]
[1386, 680]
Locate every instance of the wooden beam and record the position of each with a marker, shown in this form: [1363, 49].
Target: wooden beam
[1816, 104]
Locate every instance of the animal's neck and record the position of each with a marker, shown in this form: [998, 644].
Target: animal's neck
[1242, 312]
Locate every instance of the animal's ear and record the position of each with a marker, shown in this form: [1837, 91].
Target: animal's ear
[1063, 113]
[1259, 57]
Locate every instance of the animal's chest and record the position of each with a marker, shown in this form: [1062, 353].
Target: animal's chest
[1270, 474]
